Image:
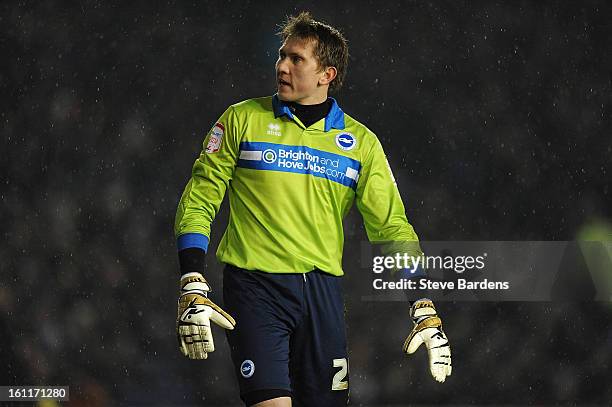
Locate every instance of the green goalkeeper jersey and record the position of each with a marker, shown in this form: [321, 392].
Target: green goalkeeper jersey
[289, 189]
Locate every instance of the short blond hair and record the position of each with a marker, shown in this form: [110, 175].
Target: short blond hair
[331, 48]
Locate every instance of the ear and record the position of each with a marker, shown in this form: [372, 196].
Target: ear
[327, 75]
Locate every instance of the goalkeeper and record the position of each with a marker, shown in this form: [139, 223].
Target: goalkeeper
[293, 164]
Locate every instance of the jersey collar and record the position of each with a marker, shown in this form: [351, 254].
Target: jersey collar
[333, 120]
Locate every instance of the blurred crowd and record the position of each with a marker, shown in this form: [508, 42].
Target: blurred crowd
[496, 119]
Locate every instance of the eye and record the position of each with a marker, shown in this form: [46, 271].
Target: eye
[296, 59]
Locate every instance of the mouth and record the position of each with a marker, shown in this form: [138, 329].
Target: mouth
[281, 82]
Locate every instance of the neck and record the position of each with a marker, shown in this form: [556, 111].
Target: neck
[307, 105]
[310, 114]
[315, 99]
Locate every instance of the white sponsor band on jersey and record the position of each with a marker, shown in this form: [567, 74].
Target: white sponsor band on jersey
[251, 155]
[352, 173]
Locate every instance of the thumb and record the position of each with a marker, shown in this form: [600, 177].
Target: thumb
[218, 316]
[222, 318]
[413, 342]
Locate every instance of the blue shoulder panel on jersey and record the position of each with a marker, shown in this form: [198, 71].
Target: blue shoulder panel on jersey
[335, 117]
[280, 109]
[300, 160]
[189, 240]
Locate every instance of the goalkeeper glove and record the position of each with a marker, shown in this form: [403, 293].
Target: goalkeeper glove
[195, 311]
[428, 329]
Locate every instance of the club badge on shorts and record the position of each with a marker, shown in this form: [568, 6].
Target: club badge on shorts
[216, 136]
[247, 368]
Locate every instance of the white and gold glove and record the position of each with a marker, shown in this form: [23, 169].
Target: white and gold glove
[195, 311]
[428, 329]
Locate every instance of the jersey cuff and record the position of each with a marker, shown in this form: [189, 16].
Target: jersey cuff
[190, 240]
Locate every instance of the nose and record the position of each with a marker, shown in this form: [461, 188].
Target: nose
[282, 66]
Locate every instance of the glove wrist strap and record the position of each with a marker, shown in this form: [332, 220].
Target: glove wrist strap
[194, 281]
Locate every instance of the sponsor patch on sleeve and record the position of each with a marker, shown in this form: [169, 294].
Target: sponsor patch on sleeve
[216, 136]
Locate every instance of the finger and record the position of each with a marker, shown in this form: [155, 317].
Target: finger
[185, 340]
[190, 338]
[207, 339]
[197, 342]
[182, 345]
[438, 372]
[192, 342]
[440, 362]
[441, 352]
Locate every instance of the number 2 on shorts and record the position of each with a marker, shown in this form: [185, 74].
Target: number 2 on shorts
[338, 382]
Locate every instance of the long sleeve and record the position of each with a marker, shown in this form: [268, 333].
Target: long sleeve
[380, 204]
[210, 178]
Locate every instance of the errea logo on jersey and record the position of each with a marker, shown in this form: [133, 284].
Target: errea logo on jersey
[274, 129]
[346, 141]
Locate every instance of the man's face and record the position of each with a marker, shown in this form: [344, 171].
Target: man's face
[299, 77]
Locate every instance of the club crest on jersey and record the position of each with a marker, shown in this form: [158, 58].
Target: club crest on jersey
[247, 368]
[216, 136]
[346, 141]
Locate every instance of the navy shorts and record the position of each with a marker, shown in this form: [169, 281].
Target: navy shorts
[290, 337]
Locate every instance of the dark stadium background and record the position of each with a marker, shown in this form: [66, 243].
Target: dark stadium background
[496, 118]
